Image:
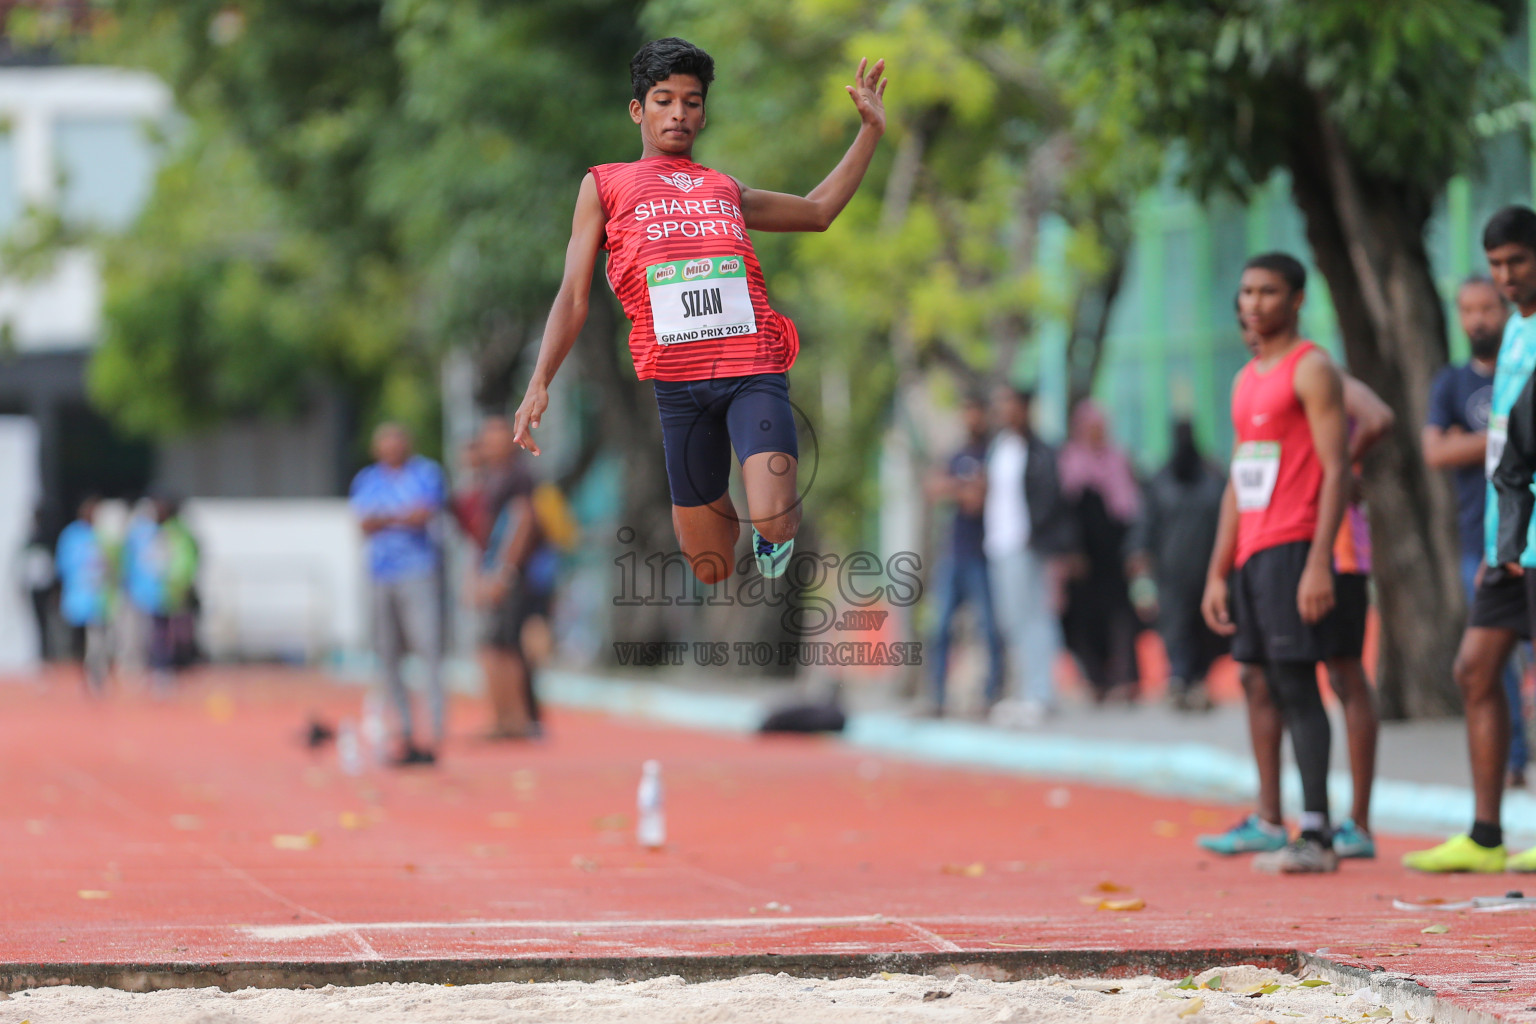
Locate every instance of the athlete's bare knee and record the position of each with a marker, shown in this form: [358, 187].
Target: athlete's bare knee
[710, 567]
[1346, 677]
[1475, 678]
[1255, 686]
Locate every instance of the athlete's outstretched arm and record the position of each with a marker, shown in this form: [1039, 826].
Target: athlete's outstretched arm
[567, 315]
[1512, 480]
[1373, 417]
[779, 211]
[1320, 389]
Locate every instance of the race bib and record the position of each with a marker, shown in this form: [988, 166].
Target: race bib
[1255, 468]
[1498, 431]
[696, 300]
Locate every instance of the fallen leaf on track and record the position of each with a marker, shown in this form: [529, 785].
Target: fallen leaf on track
[307, 841]
[1132, 904]
[968, 870]
[95, 894]
[1436, 929]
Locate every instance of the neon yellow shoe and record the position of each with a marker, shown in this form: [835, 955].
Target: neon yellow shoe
[1525, 863]
[1458, 853]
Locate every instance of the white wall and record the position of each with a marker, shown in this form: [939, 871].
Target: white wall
[19, 489]
[280, 577]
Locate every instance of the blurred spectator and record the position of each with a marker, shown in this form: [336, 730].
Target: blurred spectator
[39, 579]
[132, 624]
[85, 574]
[964, 579]
[468, 502]
[1024, 530]
[397, 501]
[1100, 493]
[1456, 439]
[1169, 548]
[160, 567]
[513, 586]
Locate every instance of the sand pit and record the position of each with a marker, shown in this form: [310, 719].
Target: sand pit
[1245, 995]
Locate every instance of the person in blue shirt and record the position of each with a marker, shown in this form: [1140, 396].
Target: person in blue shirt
[965, 578]
[1456, 439]
[85, 600]
[397, 501]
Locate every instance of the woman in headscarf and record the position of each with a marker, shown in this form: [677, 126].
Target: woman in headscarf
[1168, 550]
[1100, 491]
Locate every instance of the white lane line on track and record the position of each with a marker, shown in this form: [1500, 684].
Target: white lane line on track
[93, 787]
[938, 942]
[332, 926]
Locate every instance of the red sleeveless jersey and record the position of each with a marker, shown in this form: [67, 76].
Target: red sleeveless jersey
[682, 265]
[1275, 470]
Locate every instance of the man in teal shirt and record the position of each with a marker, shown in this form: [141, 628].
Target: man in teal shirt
[1501, 606]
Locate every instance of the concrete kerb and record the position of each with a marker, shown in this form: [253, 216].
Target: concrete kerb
[1394, 990]
[999, 965]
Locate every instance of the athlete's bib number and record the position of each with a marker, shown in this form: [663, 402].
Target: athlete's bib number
[1498, 431]
[1255, 468]
[697, 300]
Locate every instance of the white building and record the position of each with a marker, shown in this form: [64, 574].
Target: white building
[85, 142]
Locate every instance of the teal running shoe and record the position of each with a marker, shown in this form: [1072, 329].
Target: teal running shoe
[1251, 835]
[772, 559]
[1350, 840]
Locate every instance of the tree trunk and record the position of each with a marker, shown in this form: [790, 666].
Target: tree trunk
[1090, 323]
[1368, 239]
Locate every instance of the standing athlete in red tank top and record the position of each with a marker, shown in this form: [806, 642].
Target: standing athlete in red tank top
[1279, 516]
[682, 265]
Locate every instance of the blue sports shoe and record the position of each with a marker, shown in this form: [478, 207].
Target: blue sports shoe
[771, 558]
[1251, 835]
[1349, 840]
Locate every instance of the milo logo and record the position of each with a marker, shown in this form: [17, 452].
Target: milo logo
[665, 273]
[730, 266]
[698, 268]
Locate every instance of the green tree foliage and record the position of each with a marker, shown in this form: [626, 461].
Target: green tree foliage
[361, 184]
[1370, 111]
[219, 305]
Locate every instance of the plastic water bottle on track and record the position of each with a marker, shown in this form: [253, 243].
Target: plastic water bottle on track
[349, 748]
[375, 732]
[651, 819]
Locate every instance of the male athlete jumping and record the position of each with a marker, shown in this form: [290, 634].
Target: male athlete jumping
[682, 264]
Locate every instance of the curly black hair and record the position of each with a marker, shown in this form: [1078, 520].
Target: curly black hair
[660, 59]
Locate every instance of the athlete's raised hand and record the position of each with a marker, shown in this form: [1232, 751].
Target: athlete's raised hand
[528, 415]
[868, 92]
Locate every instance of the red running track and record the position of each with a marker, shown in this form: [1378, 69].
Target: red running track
[142, 830]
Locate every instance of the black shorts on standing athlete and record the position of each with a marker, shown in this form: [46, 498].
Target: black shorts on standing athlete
[1502, 601]
[1351, 608]
[1269, 626]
